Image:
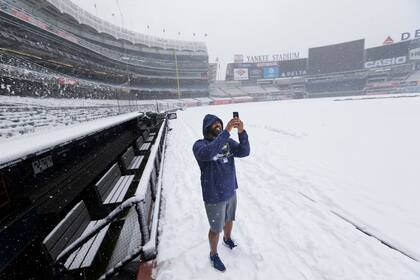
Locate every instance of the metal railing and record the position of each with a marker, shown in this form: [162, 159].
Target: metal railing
[147, 248]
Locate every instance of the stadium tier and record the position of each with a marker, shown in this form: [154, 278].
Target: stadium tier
[60, 50]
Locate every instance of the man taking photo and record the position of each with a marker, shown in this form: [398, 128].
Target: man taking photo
[215, 155]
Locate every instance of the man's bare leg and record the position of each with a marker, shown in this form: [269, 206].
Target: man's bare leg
[227, 229]
[213, 240]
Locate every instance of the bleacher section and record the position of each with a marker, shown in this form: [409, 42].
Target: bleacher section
[253, 90]
[333, 88]
[216, 92]
[270, 89]
[232, 91]
[226, 89]
[415, 76]
[18, 120]
[221, 91]
[64, 55]
[392, 79]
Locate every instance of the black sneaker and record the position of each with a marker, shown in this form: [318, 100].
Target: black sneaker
[229, 243]
[217, 263]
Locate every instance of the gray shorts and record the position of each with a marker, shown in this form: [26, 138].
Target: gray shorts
[220, 213]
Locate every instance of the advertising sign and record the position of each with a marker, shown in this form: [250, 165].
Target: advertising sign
[388, 41]
[409, 83]
[271, 72]
[415, 54]
[383, 85]
[240, 74]
[266, 64]
[243, 65]
[287, 68]
[293, 68]
[410, 35]
[386, 62]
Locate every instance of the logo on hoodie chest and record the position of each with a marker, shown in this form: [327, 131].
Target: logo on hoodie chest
[224, 154]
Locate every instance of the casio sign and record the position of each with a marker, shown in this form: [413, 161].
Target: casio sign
[386, 62]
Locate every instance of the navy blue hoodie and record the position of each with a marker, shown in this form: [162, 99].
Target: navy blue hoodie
[215, 156]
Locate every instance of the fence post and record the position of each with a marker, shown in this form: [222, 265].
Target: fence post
[142, 222]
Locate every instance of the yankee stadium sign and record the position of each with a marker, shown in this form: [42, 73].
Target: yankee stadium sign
[273, 57]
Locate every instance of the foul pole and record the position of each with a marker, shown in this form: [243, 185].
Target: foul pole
[177, 75]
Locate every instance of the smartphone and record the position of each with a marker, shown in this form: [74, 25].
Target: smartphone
[235, 114]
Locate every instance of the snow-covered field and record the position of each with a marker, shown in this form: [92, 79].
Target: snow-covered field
[311, 161]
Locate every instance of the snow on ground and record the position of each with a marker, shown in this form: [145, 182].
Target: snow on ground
[308, 157]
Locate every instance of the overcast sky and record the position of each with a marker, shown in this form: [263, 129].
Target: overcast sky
[263, 26]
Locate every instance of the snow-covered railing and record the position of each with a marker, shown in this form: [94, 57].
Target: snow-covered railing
[148, 231]
[146, 182]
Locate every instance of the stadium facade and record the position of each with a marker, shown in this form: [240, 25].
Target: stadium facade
[334, 70]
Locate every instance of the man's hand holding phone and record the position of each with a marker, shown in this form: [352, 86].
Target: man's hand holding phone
[239, 125]
[235, 123]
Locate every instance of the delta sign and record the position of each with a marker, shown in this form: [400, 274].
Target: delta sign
[410, 35]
